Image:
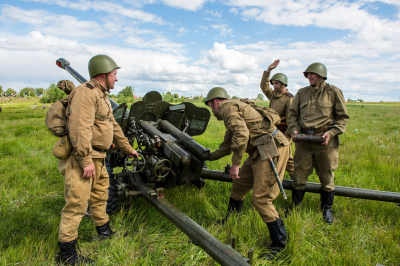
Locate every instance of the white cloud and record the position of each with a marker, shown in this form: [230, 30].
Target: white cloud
[234, 10]
[213, 13]
[107, 6]
[229, 59]
[182, 31]
[223, 28]
[192, 5]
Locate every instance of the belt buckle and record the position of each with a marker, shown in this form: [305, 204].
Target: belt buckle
[310, 132]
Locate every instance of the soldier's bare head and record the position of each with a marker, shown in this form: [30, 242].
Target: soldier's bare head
[314, 79]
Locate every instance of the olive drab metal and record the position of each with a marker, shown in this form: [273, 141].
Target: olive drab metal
[216, 92]
[100, 64]
[280, 77]
[317, 68]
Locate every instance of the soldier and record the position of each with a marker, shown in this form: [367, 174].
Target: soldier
[318, 109]
[246, 127]
[280, 100]
[92, 130]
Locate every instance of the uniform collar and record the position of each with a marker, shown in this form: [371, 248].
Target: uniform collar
[320, 86]
[279, 94]
[100, 86]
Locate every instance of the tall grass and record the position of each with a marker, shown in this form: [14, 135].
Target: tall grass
[363, 233]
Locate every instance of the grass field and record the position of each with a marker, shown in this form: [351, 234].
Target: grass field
[363, 233]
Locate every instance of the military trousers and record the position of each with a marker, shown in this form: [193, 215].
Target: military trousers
[258, 176]
[290, 162]
[78, 192]
[324, 159]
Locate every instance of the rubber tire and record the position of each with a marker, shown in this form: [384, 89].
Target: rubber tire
[112, 202]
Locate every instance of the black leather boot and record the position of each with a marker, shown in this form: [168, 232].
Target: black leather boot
[278, 235]
[234, 205]
[326, 205]
[297, 196]
[105, 231]
[69, 256]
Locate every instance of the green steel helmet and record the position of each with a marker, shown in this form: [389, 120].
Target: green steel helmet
[216, 92]
[100, 64]
[317, 68]
[279, 77]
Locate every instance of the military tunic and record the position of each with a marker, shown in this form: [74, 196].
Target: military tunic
[321, 109]
[280, 102]
[91, 126]
[243, 125]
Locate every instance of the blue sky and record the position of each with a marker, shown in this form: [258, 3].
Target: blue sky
[189, 47]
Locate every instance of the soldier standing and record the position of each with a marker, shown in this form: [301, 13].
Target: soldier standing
[92, 130]
[318, 109]
[245, 126]
[280, 100]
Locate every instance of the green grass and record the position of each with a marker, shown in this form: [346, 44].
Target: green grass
[363, 233]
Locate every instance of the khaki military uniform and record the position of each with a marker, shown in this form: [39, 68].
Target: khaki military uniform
[319, 109]
[280, 102]
[244, 125]
[92, 129]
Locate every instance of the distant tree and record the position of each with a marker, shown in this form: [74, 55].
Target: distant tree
[176, 96]
[260, 97]
[10, 91]
[1, 89]
[235, 97]
[349, 100]
[39, 90]
[127, 92]
[32, 94]
[360, 100]
[52, 94]
[21, 93]
[27, 90]
[167, 97]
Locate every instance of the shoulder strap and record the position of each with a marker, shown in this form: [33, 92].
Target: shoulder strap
[289, 94]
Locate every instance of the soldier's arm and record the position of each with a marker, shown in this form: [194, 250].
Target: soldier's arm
[119, 139]
[224, 149]
[293, 115]
[81, 121]
[264, 85]
[341, 115]
[240, 133]
[288, 104]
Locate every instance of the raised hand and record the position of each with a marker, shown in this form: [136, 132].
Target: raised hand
[273, 65]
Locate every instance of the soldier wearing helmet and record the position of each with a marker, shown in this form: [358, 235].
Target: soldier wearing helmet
[250, 130]
[280, 100]
[92, 130]
[318, 109]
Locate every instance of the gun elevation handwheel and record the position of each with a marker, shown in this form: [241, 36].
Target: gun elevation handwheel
[135, 165]
[162, 168]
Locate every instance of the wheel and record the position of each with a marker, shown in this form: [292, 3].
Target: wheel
[112, 202]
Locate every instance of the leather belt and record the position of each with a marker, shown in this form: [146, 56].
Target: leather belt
[314, 131]
[97, 149]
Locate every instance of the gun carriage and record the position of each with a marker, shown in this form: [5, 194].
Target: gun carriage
[169, 156]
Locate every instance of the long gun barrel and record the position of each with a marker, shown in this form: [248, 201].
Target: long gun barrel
[185, 140]
[223, 254]
[64, 64]
[316, 188]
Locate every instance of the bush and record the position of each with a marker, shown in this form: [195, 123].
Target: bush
[52, 94]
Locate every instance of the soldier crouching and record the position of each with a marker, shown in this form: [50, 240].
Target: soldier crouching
[245, 127]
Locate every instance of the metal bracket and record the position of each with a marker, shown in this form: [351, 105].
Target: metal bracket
[233, 242]
[152, 193]
[250, 254]
[159, 192]
[227, 168]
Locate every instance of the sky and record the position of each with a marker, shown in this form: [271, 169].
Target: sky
[190, 46]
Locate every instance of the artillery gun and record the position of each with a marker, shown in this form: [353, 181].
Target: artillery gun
[169, 156]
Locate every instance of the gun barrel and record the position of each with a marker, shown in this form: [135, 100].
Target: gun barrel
[62, 63]
[186, 140]
[223, 254]
[308, 138]
[153, 131]
[316, 188]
